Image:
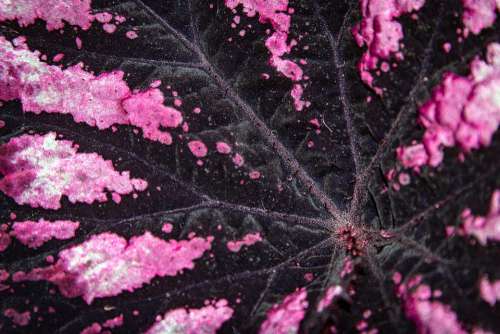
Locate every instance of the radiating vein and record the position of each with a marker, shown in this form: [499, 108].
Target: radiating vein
[337, 59]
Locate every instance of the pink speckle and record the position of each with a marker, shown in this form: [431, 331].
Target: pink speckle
[114, 322]
[2, 123]
[484, 228]
[327, 299]
[109, 28]
[58, 57]
[381, 33]
[78, 43]
[146, 111]
[4, 275]
[490, 291]
[248, 240]
[101, 101]
[106, 264]
[53, 12]
[198, 148]
[254, 175]
[296, 94]
[347, 268]
[35, 234]
[120, 18]
[116, 198]
[404, 179]
[397, 278]
[103, 17]
[285, 318]
[479, 14]
[223, 148]
[309, 277]
[177, 102]
[5, 240]
[94, 328]
[155, 84]
[430, 317]
[167, 228]
[238, 160]
[447, 47]
[314, 122]
[206, 320]
[463, 111]
[18, 318]
[131, 34]
[197, 110]
[38, 170]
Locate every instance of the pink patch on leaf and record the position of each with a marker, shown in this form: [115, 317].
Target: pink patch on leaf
[430, 316]
[483, 228]
[114, 322]
[206, 320]
[198, 148]
[254, 175]
[223, 148]
[109, 28]
[463, 112]
[39, 169]
[479, 14]
[5, 240]
[101, 101]
[381, 33]
[131, 34]
[107, 264]
[328, 297]
[53, 12]
[35, 234]
[490, 291]
[238, 160]
[167, 228]
[18, 318]
[285, 318]
[248, 240]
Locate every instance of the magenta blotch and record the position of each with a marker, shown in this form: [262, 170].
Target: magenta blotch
[107, 264]
[381, 33]
[39, 169]
[222, 147]
[479, 14]
[489, 291]
[206, 320]
[18, 318]
[167, 228]
[131, 34]
[34, 234]
[248, 240]
[328, 297]
[285, 318]
[53, 12]
[486, 228]
[463, 112]
[101, 101]
[430, 316]
[198, 148]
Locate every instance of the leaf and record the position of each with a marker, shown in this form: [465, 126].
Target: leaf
[312, 185]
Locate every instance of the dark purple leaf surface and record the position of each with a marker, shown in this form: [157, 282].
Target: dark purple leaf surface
[315, 208]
